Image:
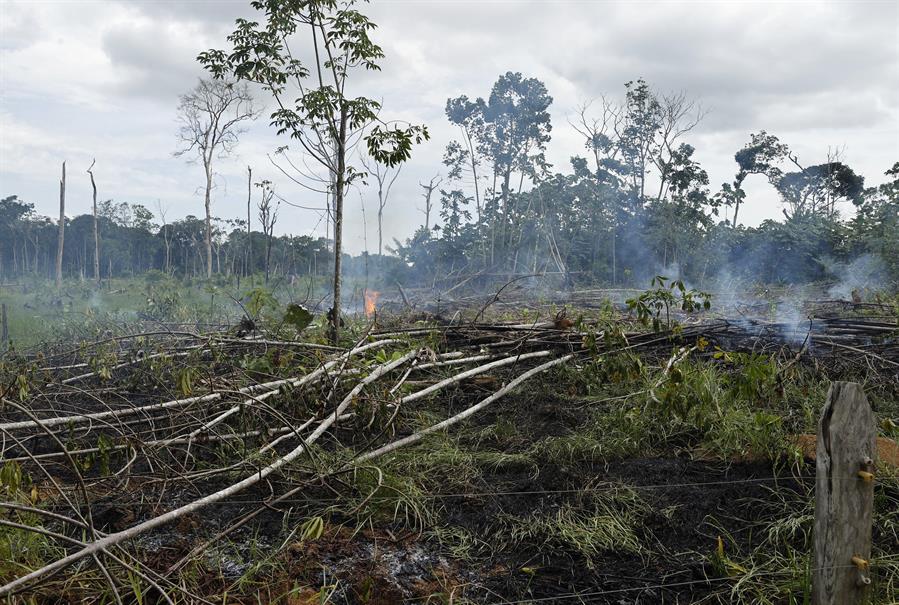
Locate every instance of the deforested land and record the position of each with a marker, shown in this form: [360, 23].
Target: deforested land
[359, 371]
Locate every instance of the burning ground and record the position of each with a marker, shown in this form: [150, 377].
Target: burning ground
[466, 454]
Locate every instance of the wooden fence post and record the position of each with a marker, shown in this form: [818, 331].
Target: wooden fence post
[844, 497]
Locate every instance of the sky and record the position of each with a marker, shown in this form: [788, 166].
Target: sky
[83, 80]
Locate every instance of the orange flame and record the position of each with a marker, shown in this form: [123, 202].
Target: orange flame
[371, 302]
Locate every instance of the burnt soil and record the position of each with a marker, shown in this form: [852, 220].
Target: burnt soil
[688, 504]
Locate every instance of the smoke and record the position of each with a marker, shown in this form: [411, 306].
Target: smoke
[792, 322]
[867, 272]
[95, 301]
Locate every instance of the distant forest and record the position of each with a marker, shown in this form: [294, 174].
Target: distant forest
[636, 204]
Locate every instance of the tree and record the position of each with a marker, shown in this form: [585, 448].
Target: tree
[385, 176]
[268, 216]
[428, 192]
[876, 223]
[210, 117]
[166, 233]
[322, 117]
[96, 226]
[761, 155]
[817, 189]
[13, 216]
[600, 135]
[650, 127]
[511, 129]
[248, 264]
[62, 226]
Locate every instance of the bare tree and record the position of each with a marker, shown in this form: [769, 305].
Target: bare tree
[433, 184]
[680, 115]
[385, 176]
[248, 264]
[62, 226]
[210, 117]
[268, 216]
[598, 132]
[96, 226]
[166, 236]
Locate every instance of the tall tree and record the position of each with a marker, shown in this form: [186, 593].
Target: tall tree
[166, 232]
[817, 189]
[96, 225]
[268, 216]
[761, 155]
[248, 264]
[321, 116]
[427, 194]
[385, 177]
[511, 128]
[211, 116]
[60, 241]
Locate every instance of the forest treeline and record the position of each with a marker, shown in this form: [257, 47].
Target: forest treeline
[636, 203]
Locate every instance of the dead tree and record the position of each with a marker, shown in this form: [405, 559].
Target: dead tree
[248, 263]
[62, 226]
[210, 118]
[96, 226]
[385, 176]
[598, 132]
[166, 236]
[433, 184]
[268, 216]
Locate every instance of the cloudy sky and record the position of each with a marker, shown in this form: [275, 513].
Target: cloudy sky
[82, 79]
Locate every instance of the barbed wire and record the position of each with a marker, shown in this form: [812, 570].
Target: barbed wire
[684, 583]
[574, 491]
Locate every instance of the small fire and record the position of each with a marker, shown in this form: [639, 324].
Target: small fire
[371, 302]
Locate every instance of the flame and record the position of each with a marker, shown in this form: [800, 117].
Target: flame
[371, 302]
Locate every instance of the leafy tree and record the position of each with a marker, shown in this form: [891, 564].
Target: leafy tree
[817, 189]
[12, 215]
[313, 107]
[511, 129]
[875, 227]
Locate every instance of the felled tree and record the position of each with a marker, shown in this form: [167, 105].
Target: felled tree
[313, 107]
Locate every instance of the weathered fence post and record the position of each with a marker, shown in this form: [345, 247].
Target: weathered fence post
[844, 497]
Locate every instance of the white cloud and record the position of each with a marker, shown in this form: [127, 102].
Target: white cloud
[84, 79]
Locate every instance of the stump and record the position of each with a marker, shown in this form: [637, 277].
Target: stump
[844, 497]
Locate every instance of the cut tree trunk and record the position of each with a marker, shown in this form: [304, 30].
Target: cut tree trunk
[844, 497]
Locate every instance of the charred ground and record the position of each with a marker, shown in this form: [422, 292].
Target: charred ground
[649, 467]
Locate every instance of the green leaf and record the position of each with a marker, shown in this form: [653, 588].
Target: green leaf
[298, 316]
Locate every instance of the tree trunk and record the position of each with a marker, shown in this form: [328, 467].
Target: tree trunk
[614, 258]
[208, 200]
[96, 227]
[62, 226]
[249, 265]
[380, 226]
[474, 174]
[338, 223]
[506, 218]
